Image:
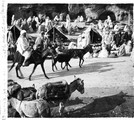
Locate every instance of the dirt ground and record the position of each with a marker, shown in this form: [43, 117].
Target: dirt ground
[104, 79]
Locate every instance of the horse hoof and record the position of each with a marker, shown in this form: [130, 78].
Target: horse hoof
[21, 77]
[47, 77]
[29, 78]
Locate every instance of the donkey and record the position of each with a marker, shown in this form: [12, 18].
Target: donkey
[36, 58]
[64, 57]
[60, 92]
[81, 52]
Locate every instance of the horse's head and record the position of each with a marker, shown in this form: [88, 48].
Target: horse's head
[80, 85]
[89, 49]
[52, 50]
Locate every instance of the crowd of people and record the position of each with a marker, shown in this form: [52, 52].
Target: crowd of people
[114, 36]
[33, 23]
[44, 23]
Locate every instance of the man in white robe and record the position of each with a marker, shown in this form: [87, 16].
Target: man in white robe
[23, 46]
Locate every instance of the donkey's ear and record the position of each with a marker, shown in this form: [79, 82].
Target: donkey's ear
[33, 85]
[74, 76]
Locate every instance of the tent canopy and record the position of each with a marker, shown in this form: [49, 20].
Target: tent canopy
[16, 32]
[56, 33]
[95, 36]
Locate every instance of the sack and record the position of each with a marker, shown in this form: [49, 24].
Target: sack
[13, 87]
[57, 90]
[54, 91]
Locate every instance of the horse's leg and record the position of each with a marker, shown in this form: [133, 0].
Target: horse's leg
[54, 65]
[67, 66]
[21, 73]
[32, 71]
[11, 67]
[64, 66]
[17, 71]
[18, 68]
[61, 65]
[44, 71]
[80, 62]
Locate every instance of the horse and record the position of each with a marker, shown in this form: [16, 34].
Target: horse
[32, 109]
[60, 92]
[37, 58]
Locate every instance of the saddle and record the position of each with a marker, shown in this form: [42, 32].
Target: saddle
[57, 90]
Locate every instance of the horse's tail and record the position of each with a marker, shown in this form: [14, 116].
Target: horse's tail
[15, 60]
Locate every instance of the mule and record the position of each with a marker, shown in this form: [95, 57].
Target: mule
[36, 58]
[60, 92]
[31, 109]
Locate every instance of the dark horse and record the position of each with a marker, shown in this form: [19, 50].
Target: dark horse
[37, 58]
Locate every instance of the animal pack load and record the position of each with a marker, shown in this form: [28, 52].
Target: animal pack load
[13, 87]
[56, 91]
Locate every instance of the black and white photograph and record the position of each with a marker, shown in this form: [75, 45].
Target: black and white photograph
[68, 60]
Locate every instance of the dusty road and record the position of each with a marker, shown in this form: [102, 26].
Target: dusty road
[102, 76]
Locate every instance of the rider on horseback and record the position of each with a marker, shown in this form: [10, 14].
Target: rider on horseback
[23, 46]
[60, 49]
[39, 41]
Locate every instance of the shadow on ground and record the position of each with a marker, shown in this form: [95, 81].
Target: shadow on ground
[88, 68]
[109, 106]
